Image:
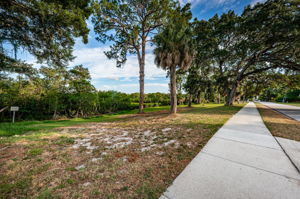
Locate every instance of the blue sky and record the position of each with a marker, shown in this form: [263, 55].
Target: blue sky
[106, 76]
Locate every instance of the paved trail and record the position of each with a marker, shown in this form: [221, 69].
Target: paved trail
[242, 160]
[288, 110]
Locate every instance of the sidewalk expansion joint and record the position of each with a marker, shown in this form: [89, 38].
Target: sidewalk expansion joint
[298, 180]
[287, 155]
[247, 143]
[166, 196]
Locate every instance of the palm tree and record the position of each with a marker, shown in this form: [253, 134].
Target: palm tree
[174, 47]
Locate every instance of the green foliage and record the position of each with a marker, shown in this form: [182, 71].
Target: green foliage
[55, 93]
[152, 99]
[46, 29]
[129, 26]
[292, 96]
[160, 99]
[263, 38]
[112, 101]
[58, 93]
[201, 85]
[287, 91]
[174, 42]
[280, 95]
[174, 47]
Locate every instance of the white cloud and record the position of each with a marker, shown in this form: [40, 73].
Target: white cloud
[192, 2]
[253, 2]
[101, 67]
[206, 3]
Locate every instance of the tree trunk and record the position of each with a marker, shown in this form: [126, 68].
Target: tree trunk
[3, 109]
[190, 101]
[142, 78]
[231, 95]
[199, 98]
[55, 109]
[238, 99]
[173, 90]
[54, 115]
[219, 99]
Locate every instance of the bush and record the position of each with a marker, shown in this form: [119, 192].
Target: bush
[113, 101]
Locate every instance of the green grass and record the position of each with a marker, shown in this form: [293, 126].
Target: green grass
[65, 140]
[47, 194]
[35, 152]
[41, 127]
[290, 103]
[19, 128]
[148, 173]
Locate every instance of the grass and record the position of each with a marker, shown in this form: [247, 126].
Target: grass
[290, 103]
[19, 128]
[278, 124]
[35, 152]
[127, 156]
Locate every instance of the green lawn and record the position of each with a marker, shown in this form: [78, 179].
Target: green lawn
[18, 128]
[292, 103]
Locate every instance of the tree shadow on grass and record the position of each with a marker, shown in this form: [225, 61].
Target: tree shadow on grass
[279, 124]
[220, 109]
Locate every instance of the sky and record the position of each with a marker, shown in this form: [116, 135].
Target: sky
[106, 76]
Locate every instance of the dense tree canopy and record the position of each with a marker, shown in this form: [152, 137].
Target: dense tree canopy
[264, 37]
[44, 28]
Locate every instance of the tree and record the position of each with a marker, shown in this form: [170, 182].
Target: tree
[174, 47]
[129, 25]
[264, 37]
[81, 90]
[112, 101]
[55, 84]
[199, 81]
[287, 90]
[44, 28]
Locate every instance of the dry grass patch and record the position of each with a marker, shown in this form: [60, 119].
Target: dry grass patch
[137, 156]
[278, 124]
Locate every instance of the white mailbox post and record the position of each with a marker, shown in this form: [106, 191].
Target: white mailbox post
[14, 109]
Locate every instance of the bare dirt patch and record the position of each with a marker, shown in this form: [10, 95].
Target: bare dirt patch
[135, 157]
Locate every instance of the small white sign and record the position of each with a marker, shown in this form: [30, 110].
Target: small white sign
[14, 108]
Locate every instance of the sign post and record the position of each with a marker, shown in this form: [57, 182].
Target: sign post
[14, 109]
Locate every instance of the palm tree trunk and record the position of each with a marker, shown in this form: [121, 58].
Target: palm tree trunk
[142, 79]
[173, 90]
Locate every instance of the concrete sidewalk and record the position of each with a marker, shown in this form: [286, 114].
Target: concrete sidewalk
[288, 110]
[242, 160]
